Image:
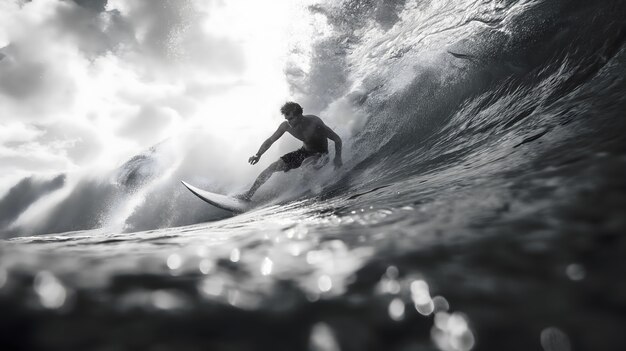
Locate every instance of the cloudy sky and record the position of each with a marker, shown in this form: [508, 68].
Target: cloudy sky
[90, 83]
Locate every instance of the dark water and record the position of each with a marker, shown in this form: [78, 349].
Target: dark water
[482, 207]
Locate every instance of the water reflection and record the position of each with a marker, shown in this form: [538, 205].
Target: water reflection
[320, 269]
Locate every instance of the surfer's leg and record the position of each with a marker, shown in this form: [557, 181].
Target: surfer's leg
[316, 161]
[277, 166]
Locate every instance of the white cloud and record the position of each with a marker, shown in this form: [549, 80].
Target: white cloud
[81, 83]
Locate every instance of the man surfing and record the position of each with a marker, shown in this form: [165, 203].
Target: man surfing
[314, 135]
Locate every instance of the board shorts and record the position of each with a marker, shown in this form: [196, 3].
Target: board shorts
[294, 159]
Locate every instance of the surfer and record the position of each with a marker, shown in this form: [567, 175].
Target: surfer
[314, 135]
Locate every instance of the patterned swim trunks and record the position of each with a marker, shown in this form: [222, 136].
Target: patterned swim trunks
[294, 159]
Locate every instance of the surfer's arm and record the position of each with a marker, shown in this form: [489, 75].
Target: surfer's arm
[330, 134]
[267, 143]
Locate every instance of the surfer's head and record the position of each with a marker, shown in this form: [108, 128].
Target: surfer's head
[292, 111]
[291, 107]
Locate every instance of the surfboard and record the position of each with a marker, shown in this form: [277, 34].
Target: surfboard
[218, 200]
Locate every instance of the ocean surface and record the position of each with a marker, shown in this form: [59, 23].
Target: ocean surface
[481, 205]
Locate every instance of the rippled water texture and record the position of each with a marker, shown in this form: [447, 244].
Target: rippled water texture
[482, 208]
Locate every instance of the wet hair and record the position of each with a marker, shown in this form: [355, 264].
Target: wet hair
[291, 107]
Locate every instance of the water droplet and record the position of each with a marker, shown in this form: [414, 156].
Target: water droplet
[441, 320]
[441, 304]
[266, 266]
[420, 293]
[457, 324]
[426, 309]
[463, 342]
[324, 283]
[554, 339]
[390, 286]
[396, 309]
[235, 255]
[205, 266]
[322, 338]
[575, 272]
[174, 261]
[312, 296]
[52, 293]
[392, 272]
[451, 332]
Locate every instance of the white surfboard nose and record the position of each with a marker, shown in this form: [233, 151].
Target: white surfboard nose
[218, 200]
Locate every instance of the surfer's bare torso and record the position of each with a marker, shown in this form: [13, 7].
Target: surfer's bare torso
[310, 130]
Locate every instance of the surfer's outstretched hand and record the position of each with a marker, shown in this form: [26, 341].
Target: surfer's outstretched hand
[254, 159]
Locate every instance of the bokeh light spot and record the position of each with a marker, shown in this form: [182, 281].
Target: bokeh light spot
[575, 272]
[323, 339]
[267, 266]
[324, 283]
[396, 309]
[235, 255]
[51, 292]
[554, 339]
[174, 261]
